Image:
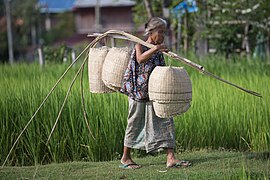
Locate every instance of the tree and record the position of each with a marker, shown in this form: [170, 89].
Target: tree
[63, 29]
[25, 17]
[148, 8]
[141, 14]
[235, 24]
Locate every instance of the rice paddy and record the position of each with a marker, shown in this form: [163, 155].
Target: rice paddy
[221, 116]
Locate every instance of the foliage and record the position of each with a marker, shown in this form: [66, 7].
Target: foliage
[56, 54]
[233, 17]
[65, 28]
[25, 16]
[224, 37]
[220, 116]
[139, 11]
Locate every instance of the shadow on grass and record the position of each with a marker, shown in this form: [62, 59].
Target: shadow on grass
[258, 155]
[213, 157]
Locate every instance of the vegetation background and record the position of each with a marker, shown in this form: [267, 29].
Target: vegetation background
[221, 117]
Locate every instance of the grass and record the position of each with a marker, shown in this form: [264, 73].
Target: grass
[205, 165]
[221, 117]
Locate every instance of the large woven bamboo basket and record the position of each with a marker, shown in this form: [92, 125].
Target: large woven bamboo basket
[171, 90]
[173, 108]
[95, 64]
[114, 67]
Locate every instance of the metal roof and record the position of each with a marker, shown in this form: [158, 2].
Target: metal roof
[103, 3]
[55, 6]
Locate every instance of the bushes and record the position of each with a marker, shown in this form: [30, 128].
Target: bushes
[56, 54]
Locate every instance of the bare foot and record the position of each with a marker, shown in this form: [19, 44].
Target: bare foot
[173, 162]
[177, 163]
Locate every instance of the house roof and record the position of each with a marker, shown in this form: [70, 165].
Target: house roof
[55, 6]
[103, 3]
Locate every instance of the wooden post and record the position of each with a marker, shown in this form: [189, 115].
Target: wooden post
[73, 55]
[201, 47]
[113, 42]
[97, 16]
[178, 44]
[65, 55]
[33, 35]
[186, 40]
[40, 56]
[48, 22]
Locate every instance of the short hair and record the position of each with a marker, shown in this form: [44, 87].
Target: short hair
[153, 24]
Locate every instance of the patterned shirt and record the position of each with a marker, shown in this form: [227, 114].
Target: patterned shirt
[135, 81]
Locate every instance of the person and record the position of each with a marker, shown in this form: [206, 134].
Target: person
[144, 129]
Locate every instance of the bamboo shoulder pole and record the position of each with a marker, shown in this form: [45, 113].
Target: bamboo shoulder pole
[127, 36]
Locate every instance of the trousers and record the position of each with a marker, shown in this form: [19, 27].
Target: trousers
[145, 130]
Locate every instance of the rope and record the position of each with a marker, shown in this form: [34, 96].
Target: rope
[68, 92]
[43, 102]
[83, 104]
[93, 43]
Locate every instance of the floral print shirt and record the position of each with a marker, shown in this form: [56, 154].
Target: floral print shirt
[135, 81]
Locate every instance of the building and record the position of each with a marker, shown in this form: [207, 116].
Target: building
[102, 15]
[110, 14]
[51, 8]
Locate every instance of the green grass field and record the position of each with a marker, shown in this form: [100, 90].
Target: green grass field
[221, 117]
[214, 165]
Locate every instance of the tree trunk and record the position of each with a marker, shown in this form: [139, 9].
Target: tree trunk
[33, 35]
[179, 33]
[245, 43]
[97, 16]
[9, 32]
[201, 47]
[268, 49]
[148, 8]
[186, 40]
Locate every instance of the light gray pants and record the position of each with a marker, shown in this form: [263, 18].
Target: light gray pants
[147, 131]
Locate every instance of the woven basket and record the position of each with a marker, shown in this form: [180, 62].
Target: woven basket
[171, 90]
[114, 67]
[166, 110]
[95, 63]
[169, 84]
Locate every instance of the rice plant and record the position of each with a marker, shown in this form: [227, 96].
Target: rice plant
[220, 117]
